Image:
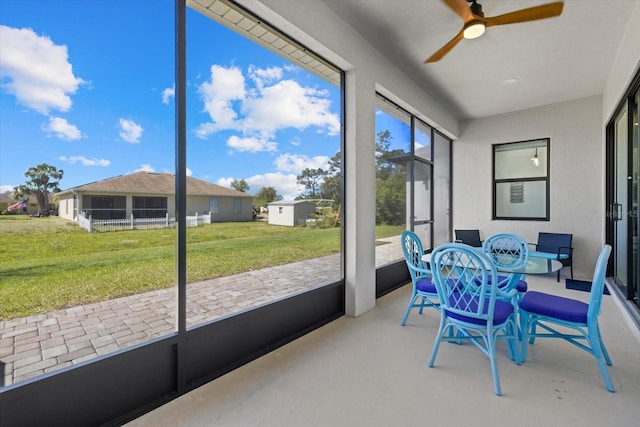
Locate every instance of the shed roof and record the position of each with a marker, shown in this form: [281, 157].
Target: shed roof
[290, 202]
[155, 183]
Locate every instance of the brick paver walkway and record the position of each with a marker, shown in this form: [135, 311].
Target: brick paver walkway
[33, 345]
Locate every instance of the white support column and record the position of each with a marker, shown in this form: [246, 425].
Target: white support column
[360, 195]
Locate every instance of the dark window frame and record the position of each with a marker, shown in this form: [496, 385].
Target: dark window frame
[518, 184]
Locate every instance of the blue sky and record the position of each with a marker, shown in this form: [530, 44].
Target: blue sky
[87, 86]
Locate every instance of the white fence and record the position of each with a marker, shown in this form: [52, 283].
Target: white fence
[102, 225]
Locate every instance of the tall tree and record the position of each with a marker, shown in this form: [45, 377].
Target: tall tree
[331, 187]
[311, 179]
[266, 195]
[240, 185]
[391, 182]
[42, 179]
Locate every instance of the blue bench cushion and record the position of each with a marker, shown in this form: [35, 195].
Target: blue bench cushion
[555, 306]
[548, 255]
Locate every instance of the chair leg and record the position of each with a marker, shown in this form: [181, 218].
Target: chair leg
[601, 355]
[436, 344]
[524, 330]
[494, 365]
[409, 307]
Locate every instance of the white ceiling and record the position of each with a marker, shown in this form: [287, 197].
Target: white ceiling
[554, 60]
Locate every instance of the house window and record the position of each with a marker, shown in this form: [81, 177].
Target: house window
[237, 205]
[280, 210]
[214, 205]
[149, 207]
[521, 180]
[107, 207]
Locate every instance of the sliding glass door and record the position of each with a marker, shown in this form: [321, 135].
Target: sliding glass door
[623, 196]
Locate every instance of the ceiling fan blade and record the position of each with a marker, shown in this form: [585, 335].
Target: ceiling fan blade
[445, 49]
[544, 11]
[461, 8]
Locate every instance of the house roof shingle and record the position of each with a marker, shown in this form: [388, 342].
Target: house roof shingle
[155, 183]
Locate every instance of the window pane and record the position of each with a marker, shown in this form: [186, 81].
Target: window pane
[521, 199]
[264, 157]
[441, 190]
[422, 140]
[517, 195]
[521, 160]
[393, 149]
[98, 116]
[422, 190]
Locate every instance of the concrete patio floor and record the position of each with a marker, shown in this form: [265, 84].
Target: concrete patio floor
[370, 371]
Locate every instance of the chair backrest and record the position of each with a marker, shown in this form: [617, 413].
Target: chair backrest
[507, 250]
[597, 283]
[463, 277]
[551, 242]
[413, 252]
[469, 237]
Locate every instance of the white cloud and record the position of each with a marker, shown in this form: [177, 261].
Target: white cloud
[286, 104]
[36, 71]
[226, 86]
[62, 129]
[85, 161]
[5, 188]
[251, 144]
[271, 105]
[225, 182]
[262, 76]
[189, 172]
[296, 163]
[168, 93]
[130, 131]
[145, 167]
[285, 184]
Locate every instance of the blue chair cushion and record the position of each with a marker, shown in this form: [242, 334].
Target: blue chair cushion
[555, 306]
[501, 313]
[426, 285]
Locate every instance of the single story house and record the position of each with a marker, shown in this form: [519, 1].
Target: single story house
[7, 199]
[290, 212]
[152, 195]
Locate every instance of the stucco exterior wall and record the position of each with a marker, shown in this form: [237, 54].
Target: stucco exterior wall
[576, 174]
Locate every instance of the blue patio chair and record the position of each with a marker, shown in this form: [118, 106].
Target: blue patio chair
[555, 246]
[471, 309]
[508, 252]
[424, 292]
[547, 311]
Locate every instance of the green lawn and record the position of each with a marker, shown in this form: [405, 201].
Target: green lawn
[49, 263]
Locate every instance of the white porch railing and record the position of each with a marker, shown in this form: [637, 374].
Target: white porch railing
[103, 225]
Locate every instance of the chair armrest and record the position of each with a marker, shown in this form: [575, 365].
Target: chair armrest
[570, 250]
[507, 294]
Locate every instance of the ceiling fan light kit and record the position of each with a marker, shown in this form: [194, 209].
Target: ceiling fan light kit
[475, 23]
[474, 30]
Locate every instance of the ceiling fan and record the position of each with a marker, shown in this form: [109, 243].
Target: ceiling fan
[475, 23]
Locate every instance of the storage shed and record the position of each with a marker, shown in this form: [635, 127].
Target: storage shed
[290, 212]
